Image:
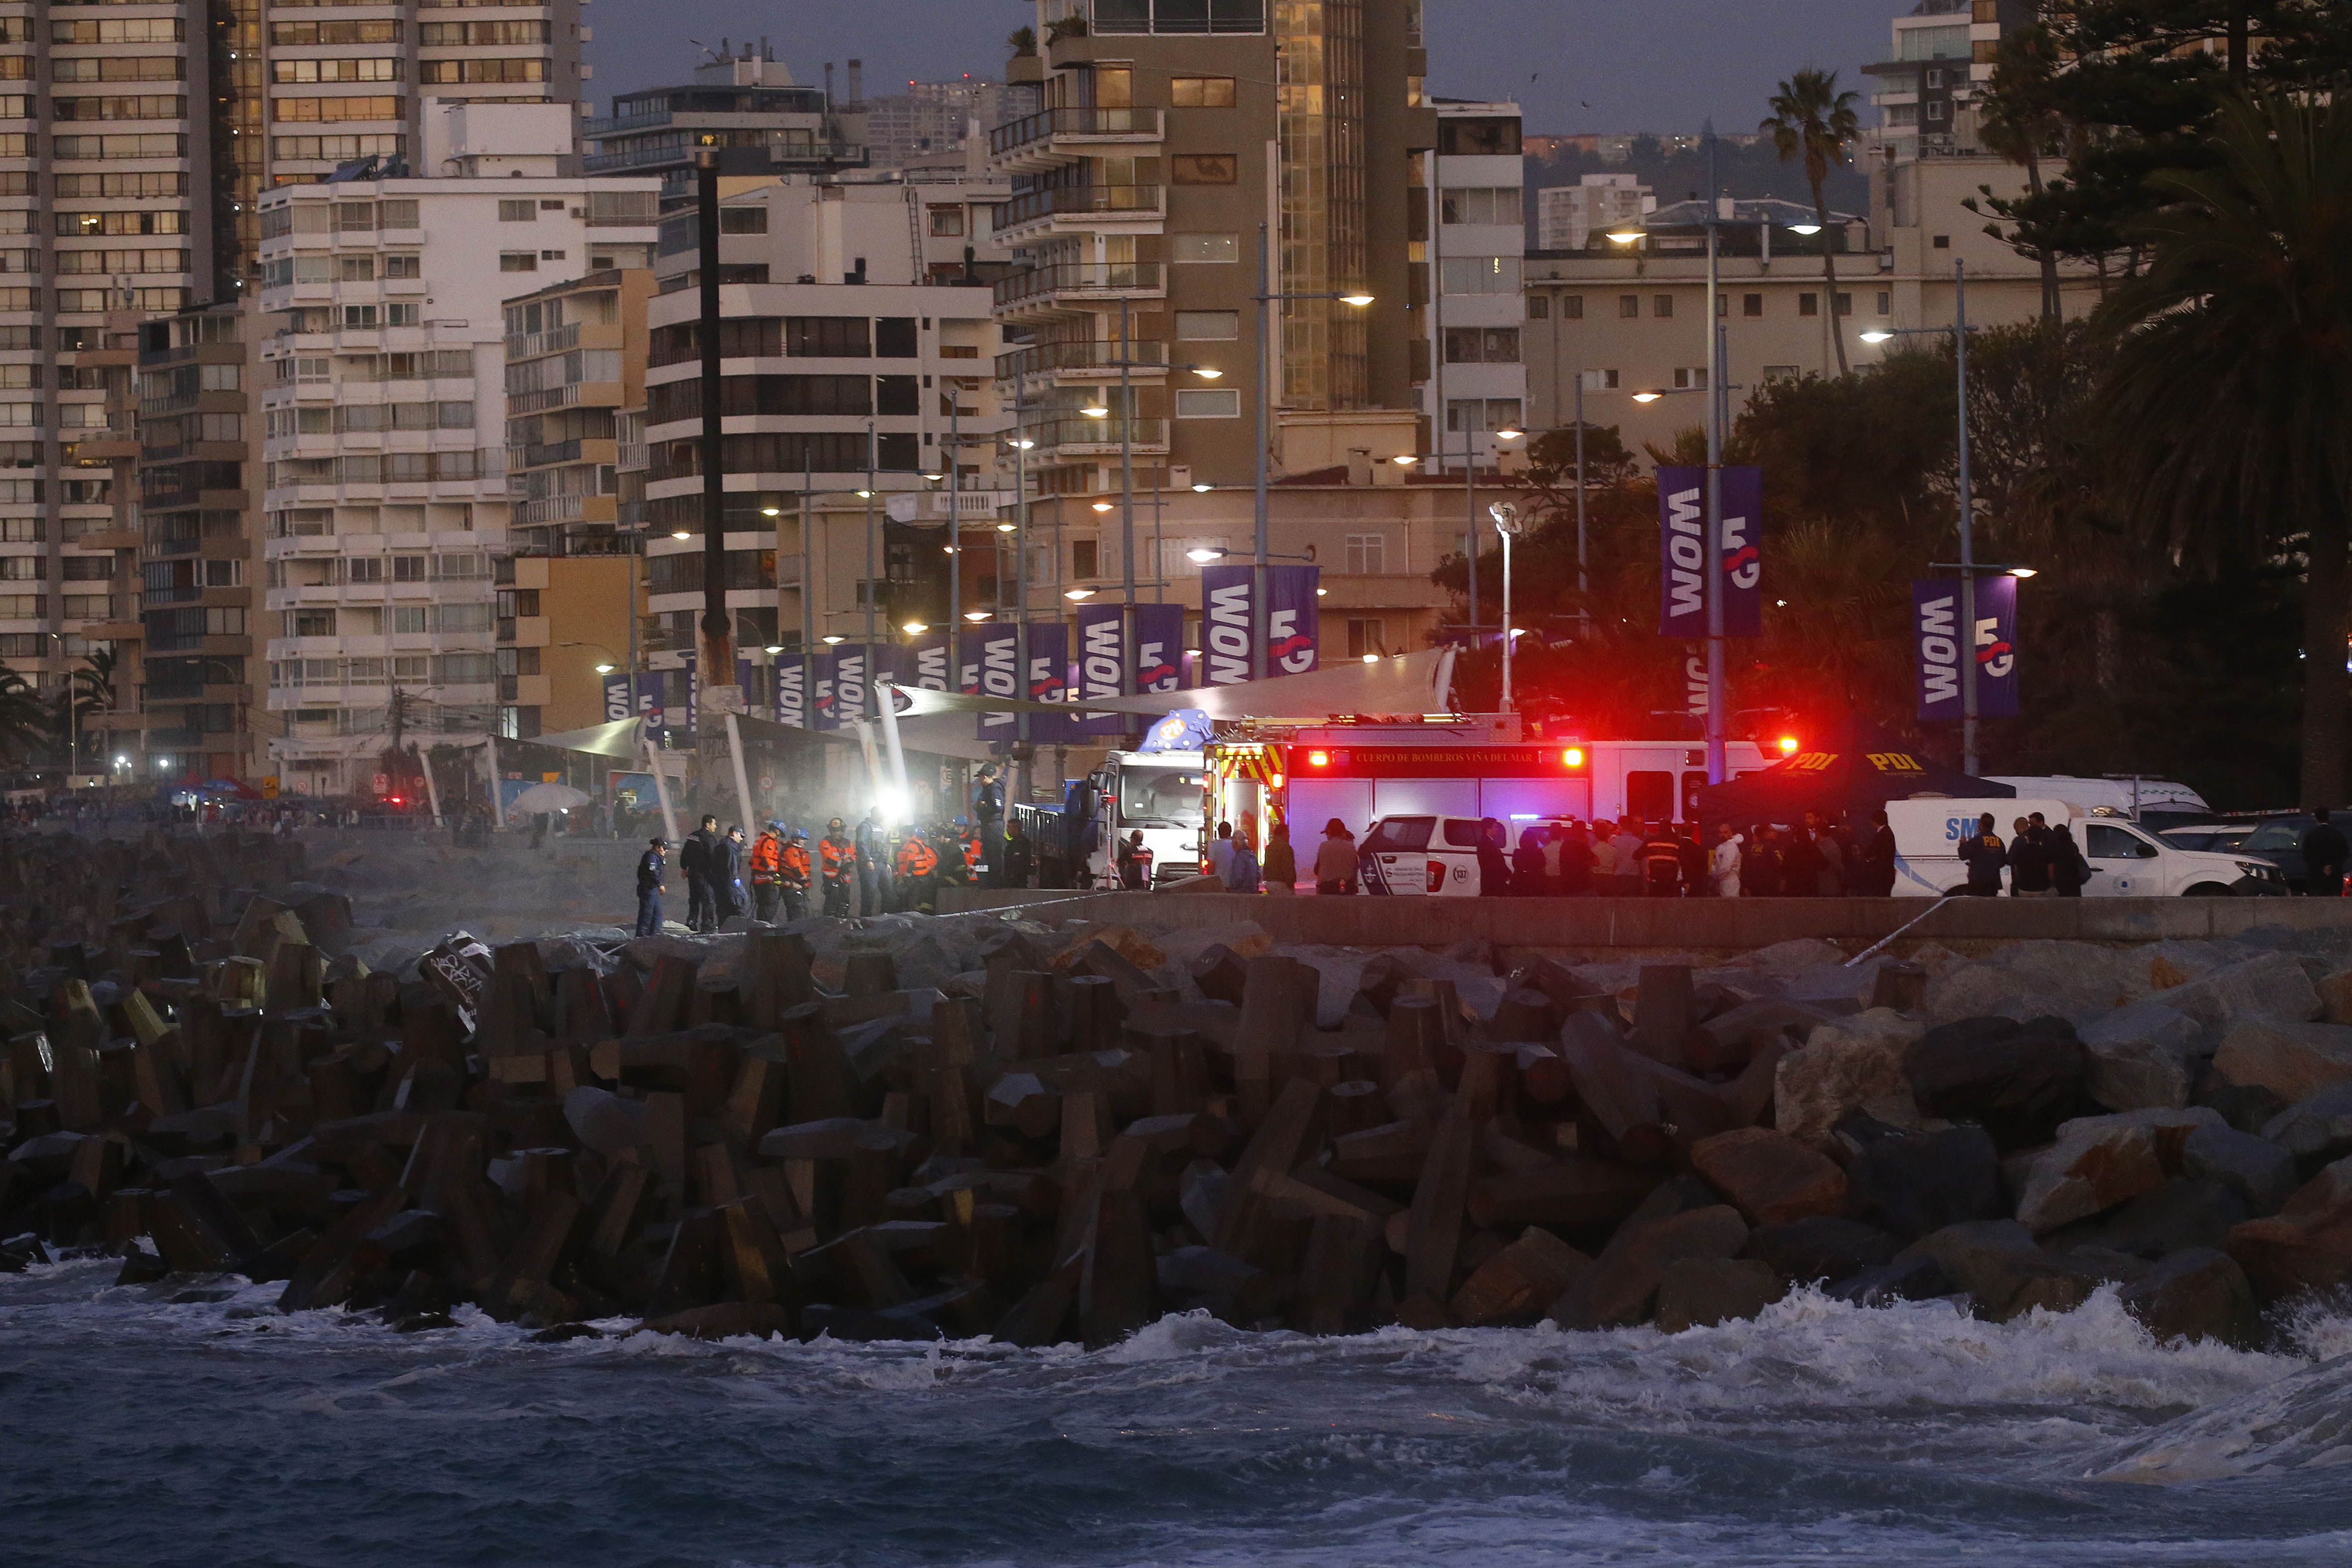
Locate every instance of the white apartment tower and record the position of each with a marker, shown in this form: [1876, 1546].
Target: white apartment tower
[385, 404]
[1479, 384]
[1569, 218]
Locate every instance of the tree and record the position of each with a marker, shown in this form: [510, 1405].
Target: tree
[2230, 399]
[2025, 120]
[26, 722]
[1812, 120]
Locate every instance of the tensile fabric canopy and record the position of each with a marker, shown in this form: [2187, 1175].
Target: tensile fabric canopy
[1857, 768]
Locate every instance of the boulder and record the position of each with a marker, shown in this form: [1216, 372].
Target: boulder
[760, 1320]
[605, 1121]
[1769, 1176]
[1915, 1183]
[2099, 1162]
[1823, 1247]
[2168, 965]
[2270, 984]
[2315, 1131]
[1515, 1284]
[1700, 1292]
[2335, 996]
[1843, 1066]
[2003, 1272]
[2306, 1244]
[2018, 1081]
[2196, 1293]
[2142, 1056]
[2256, 1169]
[1622, 1286]
[2184, 1212]
[2249, 1109]
[1979, 991]
[2292, 1059]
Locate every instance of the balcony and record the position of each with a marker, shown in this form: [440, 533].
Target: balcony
[1040, 290]
[1062, 438]
[535, 345]
[1084, 359]
[1076, 208]
[1052, 137]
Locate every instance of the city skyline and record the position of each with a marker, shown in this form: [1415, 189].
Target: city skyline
[1480, 49]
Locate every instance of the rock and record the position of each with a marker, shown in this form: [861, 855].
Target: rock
[1926, 1181]
[1622, 1286]
[605, 1121]
[2196, 1293]
[2256, 1169]
[2099, 1162]
[2183, 1212]
[2293, 1060]
[1913, 1279]
[2335, 996]
[2306, 1244]
[1842, 1065]
[760, 1320]
[2249, 1109]
[1769, 1176]
[1977, 991]
[2315, 1131]
[1823, 1247]
[1700, 1292]
[2141, 1056]
[1515, 1284]
[2017, 1080]
[2272, 985]
[2003, 1272]
[1800, 953]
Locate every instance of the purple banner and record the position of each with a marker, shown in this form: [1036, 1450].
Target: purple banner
[925, 665]
[1102, 670]
[1293, 620]
[852, 684]
[1936, 627]
[1228, 624]
[791, 690]
[998, 674]
[1158, 647]
[825, 706]
[1743, 558]
[970, 645]
[1682, 552]
[1049, 680]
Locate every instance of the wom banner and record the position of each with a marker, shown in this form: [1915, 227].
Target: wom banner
[925, 664]
[1228, 624]
[1158, 648]
[1682, 552]
[1102, 665]
[1936, 626]
[1292, 622]
[1049, 680]
[995, 653]
[1229, 627]
[791, 690]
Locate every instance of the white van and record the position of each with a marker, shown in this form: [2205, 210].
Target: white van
[2126, 861]
[1423, 857]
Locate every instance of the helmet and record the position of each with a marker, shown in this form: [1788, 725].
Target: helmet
[799, 832]
[775, 826]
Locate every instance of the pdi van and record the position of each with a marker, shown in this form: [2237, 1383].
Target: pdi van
[2126, 861]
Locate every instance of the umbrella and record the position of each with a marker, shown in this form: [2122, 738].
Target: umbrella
[547, 797]
[1858, 767]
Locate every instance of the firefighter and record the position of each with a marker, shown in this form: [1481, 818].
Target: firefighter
[793, 875]
[838, 857]
[917, 862]
[767, 873]
[972, 849]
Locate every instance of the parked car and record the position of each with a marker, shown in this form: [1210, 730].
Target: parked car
[2279, 839]
[1423, 857]
[2126, 860]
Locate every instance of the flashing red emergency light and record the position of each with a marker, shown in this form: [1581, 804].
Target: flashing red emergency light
[1573, 758]
[1788, 746]
[1319, 760]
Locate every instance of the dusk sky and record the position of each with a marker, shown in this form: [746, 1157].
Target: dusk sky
[1576, 65]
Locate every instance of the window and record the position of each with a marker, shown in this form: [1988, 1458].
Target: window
[896, 395]
[334, 70]
[1209, 402]
[1844, 303]
[2103, 842]
[490, 70]
[749, 220]
[1480, 273]
[1194, 248]
[946, 223]
[1480, 415]
[1751, 305]
[1482, 345]
[1086, 558]
[403, 266]
[292, 109]
[1629, 307]
[1483, 137]
[517, 212]
[1208, 325]
[1662, 306]
[309, 623]
[820, 336]
[1943, 242]
[1780, 373]
[1538, 307]
[1481, 204]
[894, 338]
[1201, 92]
[1885, 302]
[1687, 378]
[1368, 554]
[1809, 304]
[355, 269]
[518, 261]
[1366, 636]
[1203, 169]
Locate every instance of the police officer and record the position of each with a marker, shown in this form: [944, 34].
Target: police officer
[873, 861]
[988, 816]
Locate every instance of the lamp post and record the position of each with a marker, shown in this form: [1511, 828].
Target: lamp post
[1969, 565]
[1506, 523]
[1470, 494]
[1266, 298]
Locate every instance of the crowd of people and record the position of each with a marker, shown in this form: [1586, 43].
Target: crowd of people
[871, 868]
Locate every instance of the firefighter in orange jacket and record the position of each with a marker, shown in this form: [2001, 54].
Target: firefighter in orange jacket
[917, 863]
[793, 875]
[767, 873]
[838, 858]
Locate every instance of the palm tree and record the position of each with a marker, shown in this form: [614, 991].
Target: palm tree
[2230, 397]
[25, 719]
[1811, 119]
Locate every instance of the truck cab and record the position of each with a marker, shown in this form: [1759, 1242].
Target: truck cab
[1160, 793]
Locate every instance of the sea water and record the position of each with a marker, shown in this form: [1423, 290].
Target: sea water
[195, 1424]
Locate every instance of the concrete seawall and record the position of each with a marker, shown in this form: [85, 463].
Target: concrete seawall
[1739, 924]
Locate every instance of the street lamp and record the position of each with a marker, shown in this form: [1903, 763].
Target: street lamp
[1508, 524]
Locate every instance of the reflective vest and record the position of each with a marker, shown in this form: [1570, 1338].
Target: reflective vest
[837, 858]
[972, 853]
[793, 866]
[917, 858]
[767, 859]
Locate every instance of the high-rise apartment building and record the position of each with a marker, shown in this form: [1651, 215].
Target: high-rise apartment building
[1469, 362]
[1572, 217]
[931, 118]
[1170, 136]
[384, 408]
[747, 106]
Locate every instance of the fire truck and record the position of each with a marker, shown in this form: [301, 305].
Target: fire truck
[1443, 765]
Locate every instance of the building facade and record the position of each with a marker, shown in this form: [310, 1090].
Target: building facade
[1473, 375]
[1569, 216]
[745, 106]
[384, 484]
[931, 118]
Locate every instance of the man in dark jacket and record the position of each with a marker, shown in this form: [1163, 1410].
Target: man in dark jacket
[1878, 859]
[2323, 851]
[727, 871]
[873, 861]
[698, 858]
[649, 889]
[1984, 855]
[2029, 860]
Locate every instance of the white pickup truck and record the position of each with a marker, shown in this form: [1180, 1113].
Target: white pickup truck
[2126, 861]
